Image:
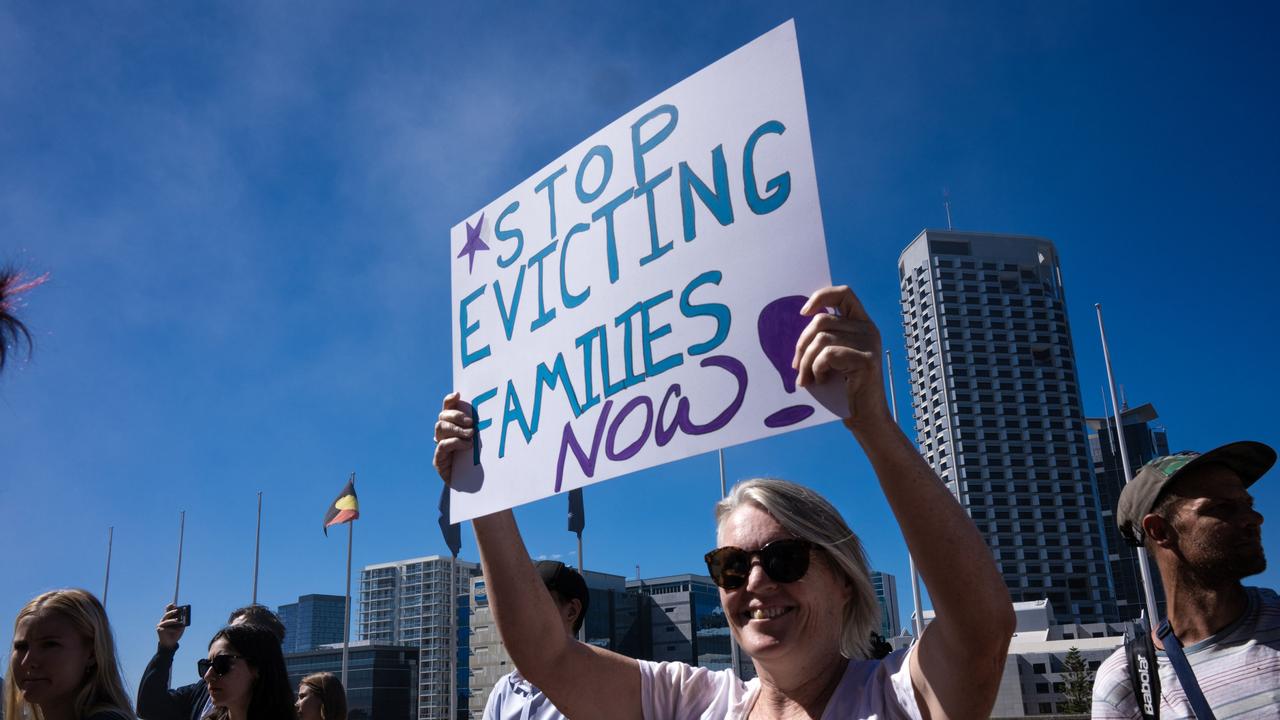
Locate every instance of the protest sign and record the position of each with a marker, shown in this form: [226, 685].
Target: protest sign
[636, 301]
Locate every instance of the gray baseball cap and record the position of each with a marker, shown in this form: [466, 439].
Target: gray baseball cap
[1250, 460]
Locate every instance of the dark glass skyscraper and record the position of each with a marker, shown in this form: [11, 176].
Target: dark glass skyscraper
[1145, 440]
[313, 621]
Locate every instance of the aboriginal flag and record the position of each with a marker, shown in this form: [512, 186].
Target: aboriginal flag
[345, 509]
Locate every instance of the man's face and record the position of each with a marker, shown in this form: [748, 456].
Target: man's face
[1216, 531]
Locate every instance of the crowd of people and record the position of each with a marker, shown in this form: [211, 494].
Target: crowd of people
[795, 589]
[64, 667]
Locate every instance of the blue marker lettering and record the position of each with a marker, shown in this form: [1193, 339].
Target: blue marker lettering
[718, 311]
[779, 187]
[544, 316]
[718, 202]
[469, 328]
[606, 156]
[550, 184]
[505, 235]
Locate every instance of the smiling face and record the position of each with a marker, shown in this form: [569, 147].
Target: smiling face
[50, 660]
[799, 621]
[308, 703]
[233, 689]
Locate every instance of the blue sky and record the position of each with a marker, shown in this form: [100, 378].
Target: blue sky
[245, 211]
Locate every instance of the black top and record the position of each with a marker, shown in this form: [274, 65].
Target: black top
[157, 702]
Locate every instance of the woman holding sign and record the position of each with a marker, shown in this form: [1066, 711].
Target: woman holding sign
[793, 582]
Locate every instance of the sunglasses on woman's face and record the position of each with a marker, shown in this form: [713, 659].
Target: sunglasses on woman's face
[221, 664]
[784, 561]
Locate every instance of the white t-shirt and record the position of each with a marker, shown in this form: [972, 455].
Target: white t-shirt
[514, 698]
[1237, 668]
[870, 689]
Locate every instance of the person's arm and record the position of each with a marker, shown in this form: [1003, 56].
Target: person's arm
[957, 664]
[155, 700]
[581, 680]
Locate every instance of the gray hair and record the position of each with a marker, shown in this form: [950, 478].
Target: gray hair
[808, 516]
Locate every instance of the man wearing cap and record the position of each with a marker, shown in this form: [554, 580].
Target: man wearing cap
[1195, 517]
[513, 698]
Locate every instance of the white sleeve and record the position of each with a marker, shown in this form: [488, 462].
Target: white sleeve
[876, 689]
[493, 708]
[676, 691]
[897, 665]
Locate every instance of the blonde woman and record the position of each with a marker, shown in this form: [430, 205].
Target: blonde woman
[63, 664]
[793, 582]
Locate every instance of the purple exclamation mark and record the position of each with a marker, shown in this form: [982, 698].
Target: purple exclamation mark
[779, 327]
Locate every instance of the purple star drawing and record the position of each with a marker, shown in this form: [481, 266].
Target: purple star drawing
[474, 244]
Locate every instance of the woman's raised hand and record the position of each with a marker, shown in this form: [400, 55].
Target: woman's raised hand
[454, 433]
[848, 343]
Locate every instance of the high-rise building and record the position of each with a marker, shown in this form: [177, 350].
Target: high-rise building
[886, 587]
[685, 623]
[603, 627]
[313, 621]
[998, 412]
[1145, 440]
[382, 680]
[406, 602]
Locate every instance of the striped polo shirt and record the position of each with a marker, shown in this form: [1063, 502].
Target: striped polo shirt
[1238, 669]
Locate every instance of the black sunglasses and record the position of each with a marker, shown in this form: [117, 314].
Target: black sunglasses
[221, 664]
[785, 561]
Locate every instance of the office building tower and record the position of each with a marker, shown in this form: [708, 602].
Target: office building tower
[407, 603]
[604, 627]
[681, 619]
[382, 680]
[1145, 440]
[313, 621]
[998, 412]
[886, 587]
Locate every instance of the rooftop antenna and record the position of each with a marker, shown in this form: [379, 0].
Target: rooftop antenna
[946, 203]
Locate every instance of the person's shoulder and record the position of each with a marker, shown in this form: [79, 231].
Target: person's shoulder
[1115, 669]
[698, 683]
[1264, 625]
[1113, 695]
[1267, 598]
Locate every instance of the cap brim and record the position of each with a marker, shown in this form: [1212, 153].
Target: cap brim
[1248, 458]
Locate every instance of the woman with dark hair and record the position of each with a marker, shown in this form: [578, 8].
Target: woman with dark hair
[321, 697]
[246, 675]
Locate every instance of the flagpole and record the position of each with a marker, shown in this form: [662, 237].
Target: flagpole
[918, 620]
[182, 531]
[1143, 565]
[257, 543]
[733, 644]
[453, 638]
[111, 534]
[582, 630]
[346, 616]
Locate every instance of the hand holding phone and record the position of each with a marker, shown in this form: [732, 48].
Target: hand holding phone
[172, 624]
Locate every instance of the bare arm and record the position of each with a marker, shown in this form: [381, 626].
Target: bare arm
[956, 666]
[580, 679]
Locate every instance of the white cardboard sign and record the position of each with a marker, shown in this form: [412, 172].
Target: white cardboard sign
[636, 301]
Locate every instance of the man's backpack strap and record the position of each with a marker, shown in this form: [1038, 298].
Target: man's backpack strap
[1144, 673]
[1190, 685]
